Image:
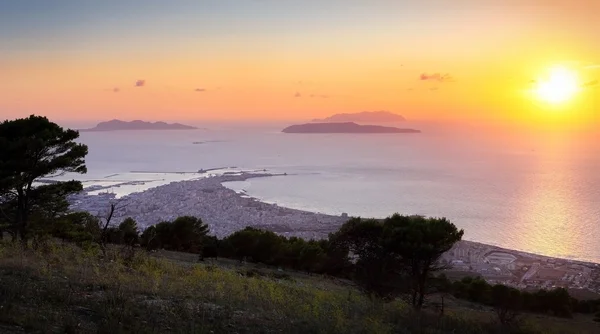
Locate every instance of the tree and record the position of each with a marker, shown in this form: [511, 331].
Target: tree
[30, 149]
[48, 204]
[558, 302]
[129, 232]
[311, 256]
[149, 238]
[243, 243]
[399, 254]
[108, 233]
[376, 270]
[187, 233]
[419, 242]
[507, 302]
[210, 247]
[78, 227]
[443, 286]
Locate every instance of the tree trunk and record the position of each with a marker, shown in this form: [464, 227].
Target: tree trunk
[421, 295]
[103, 235]
[21, 221]
[414, 297]
[442, 307]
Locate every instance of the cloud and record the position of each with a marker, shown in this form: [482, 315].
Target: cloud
[116, 90]
[433, 89]
[140, 83]
[200, 90]
[590, 83]
[297, 94]
[594, 66]
[436, 77]
[321, 96]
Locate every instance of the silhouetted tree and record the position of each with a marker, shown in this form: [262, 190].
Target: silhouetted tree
[419, 242]
[507, 302]
[48, 203]
[130, 234]
[376, 270]
[210, 247]
[243, 243]
[558, 302]
[311, 257]
[78, 227]
[187, 233]
[150, 239]
[30, 149]
[397, 255]
[184, 234]
[108, 233]
[443, 286]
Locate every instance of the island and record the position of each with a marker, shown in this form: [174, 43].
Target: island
[118, 125]
[346, 127]
[364, 117]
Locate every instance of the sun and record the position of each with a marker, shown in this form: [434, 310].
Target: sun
[560, 86]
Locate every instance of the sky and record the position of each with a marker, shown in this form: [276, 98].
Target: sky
[294, 60]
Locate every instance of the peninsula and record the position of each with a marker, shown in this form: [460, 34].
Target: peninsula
[227, 211]
[346, 127]
[364, 117]
[118, 125]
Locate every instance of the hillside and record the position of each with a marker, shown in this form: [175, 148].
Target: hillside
[61, 288]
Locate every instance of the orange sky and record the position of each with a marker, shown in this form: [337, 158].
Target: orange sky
[272, 60]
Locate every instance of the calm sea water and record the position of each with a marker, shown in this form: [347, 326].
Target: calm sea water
[533, 192]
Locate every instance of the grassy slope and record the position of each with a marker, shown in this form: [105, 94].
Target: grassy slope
[64, 289]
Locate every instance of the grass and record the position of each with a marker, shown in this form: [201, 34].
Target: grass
[64, 289]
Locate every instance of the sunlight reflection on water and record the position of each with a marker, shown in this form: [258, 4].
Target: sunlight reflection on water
[533, 193]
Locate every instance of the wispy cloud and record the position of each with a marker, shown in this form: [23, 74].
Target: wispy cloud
[140, 83]
[591, 83]
[312, 96]
[594, 66]
[436, 77]
[116, 90]
[433, 89]
[200, 90]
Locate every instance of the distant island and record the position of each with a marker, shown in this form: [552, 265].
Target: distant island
[345, 127]
[365, 116]
[117, 125]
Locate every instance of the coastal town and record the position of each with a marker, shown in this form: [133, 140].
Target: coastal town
[223, 209]
[524, 270]
[227, 211]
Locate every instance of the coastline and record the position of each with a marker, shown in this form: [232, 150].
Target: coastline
[226, 211]
[223, 209]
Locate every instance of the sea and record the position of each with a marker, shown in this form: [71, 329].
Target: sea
[537, 192]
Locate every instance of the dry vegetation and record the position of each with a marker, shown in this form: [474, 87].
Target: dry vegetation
[61, 288]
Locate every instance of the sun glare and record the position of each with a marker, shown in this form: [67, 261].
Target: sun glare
[561, 85]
